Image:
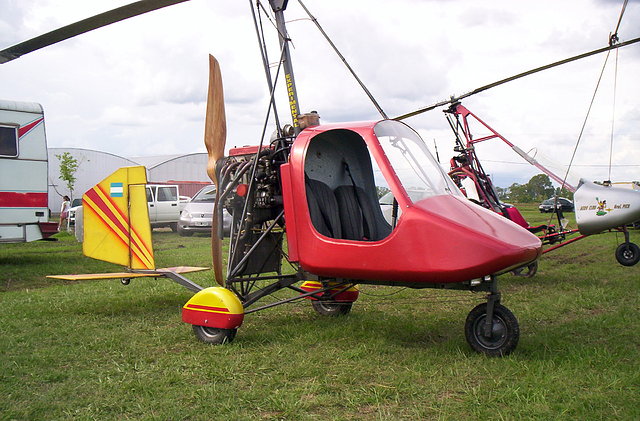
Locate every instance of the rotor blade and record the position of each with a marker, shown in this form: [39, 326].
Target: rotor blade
[518, 76]
[85, 25]
[215, 134]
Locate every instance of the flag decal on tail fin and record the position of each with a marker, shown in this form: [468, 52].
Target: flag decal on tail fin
[116, 220]
[116, 190]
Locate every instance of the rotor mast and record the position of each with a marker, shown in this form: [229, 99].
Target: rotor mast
[278, 7]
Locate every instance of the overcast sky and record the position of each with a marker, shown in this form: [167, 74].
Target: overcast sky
[138, 87]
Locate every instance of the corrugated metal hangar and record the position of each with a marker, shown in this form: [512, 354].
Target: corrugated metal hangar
[189, 171]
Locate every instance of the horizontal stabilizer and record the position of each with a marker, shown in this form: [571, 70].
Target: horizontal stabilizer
[124, 275]
[599, 208]
[92, 276]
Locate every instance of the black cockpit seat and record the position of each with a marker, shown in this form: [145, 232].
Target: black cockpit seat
[358, 215]
[323, 208]
[346, 212]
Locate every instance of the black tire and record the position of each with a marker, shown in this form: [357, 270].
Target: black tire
[505, 332]
[331, 308]
[174, 226]
[628, 254]
[183, 232]
[213, 335]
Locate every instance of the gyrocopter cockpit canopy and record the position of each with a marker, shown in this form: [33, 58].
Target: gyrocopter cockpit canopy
[338, 226]
[420, 175]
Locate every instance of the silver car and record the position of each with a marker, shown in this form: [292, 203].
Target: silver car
[197, 215]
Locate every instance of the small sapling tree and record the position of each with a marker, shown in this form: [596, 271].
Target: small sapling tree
[68, 168]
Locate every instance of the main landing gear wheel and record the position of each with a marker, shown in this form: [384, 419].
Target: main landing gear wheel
[213, 335]
[504, 334]
[331, 308]
[628, 254]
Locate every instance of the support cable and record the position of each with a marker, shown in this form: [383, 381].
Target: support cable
[624, 6]
[613, 39]
[584, 123]
[245, 208]
[613, 44]
[613, 112]
[265, 59]
[344, 60]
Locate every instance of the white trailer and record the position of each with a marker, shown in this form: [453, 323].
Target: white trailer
[24, 212]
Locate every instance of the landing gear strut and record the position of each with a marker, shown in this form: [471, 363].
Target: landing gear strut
[491, 328]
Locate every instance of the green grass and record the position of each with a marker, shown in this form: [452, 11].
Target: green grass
[100, 350]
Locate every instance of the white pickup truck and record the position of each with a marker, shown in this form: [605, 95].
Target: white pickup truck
[165, 205]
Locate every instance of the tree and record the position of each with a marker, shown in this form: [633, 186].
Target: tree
[68, 168]
[502, 192]
[564, 193]
[540, 187]
[518, 193]
[537, 189]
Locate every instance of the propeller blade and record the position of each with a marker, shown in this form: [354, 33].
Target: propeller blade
[85, 25]
[215, 128]
[216, 246]
[215, 134]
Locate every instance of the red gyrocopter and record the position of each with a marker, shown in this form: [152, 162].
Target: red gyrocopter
[317, 187]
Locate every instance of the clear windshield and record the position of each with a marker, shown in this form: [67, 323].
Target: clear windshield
[207, 194]
[419, 173]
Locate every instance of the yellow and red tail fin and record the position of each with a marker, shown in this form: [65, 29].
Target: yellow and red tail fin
[116, 220]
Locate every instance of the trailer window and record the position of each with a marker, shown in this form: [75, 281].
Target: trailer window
[8, 141]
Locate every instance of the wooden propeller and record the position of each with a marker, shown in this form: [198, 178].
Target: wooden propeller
[215, 134]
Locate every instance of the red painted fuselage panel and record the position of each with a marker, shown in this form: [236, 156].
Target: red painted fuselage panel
[440, 239]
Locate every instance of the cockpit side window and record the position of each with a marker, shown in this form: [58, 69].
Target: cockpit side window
[418, 171]
[342, 190]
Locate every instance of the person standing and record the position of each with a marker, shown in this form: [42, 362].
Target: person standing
[64, 211]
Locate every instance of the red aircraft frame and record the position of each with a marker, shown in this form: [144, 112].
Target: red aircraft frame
[467, 165]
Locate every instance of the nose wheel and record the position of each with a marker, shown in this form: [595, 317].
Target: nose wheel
[495, 337]
[628, 254]
[491, 328]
